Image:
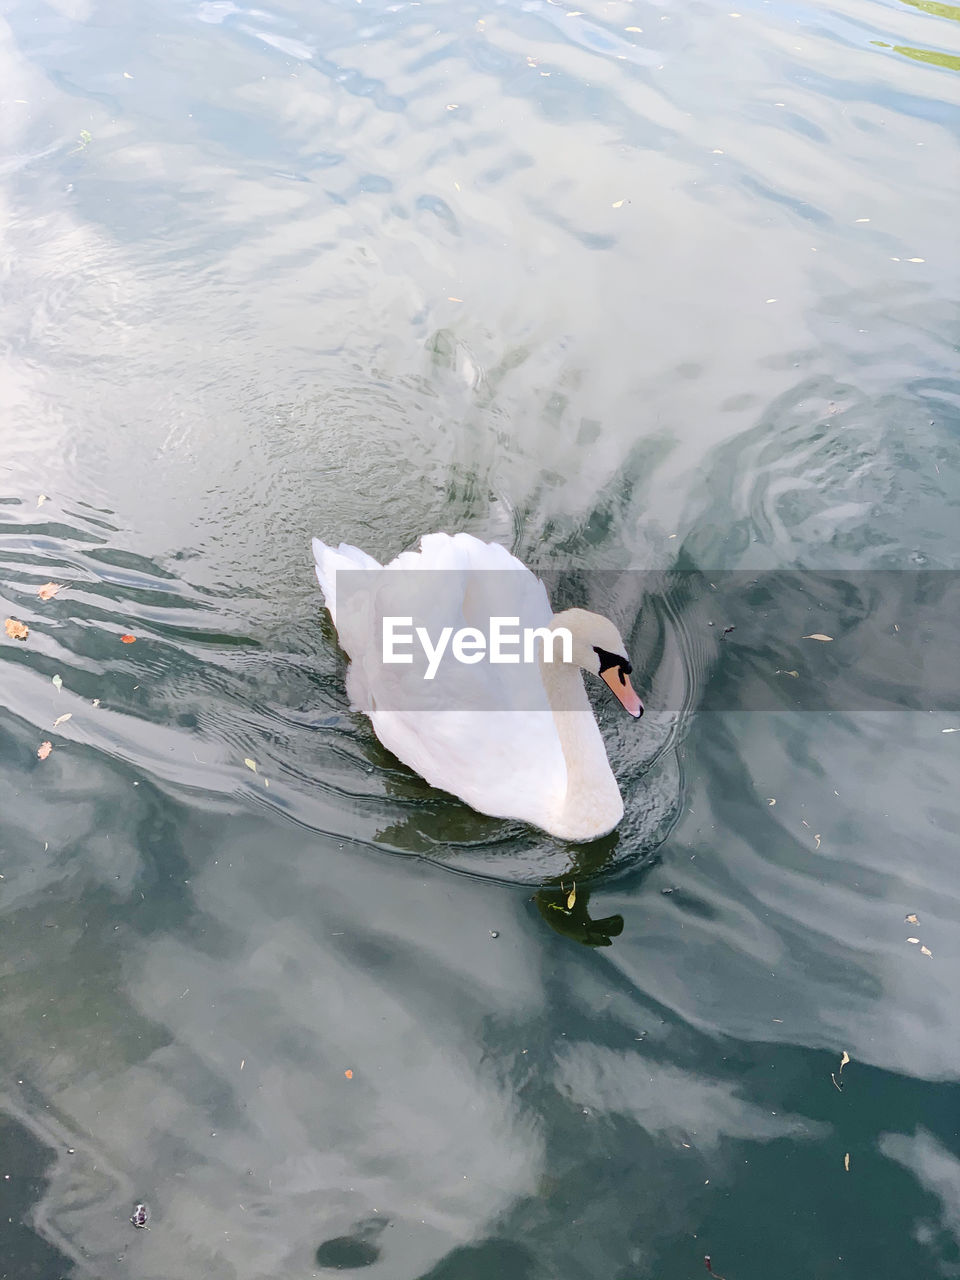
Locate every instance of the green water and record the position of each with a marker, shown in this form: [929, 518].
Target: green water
[620, 299]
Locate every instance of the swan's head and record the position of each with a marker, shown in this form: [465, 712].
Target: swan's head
[598, 647]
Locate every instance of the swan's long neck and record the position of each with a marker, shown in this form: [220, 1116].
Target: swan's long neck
[592, 804]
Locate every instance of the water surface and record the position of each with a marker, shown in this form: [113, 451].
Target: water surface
[626, 287]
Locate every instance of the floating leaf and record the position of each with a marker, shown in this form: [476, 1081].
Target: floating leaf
[915, 941]
[63, 719]
[251, 764]
[818, 635]
[57, 682]
[49, 590]
[844, 1060]
[617, 204]
[348, 1073]
[911, 919]
[771, 802]
[846, 1162]
[128, 639]
[16, 630]
[795, 674]
[44, 750]
[571, 898]
[926, 951]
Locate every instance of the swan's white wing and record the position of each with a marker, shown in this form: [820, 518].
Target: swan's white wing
[505, 763]
[485, 733]
[327, 563]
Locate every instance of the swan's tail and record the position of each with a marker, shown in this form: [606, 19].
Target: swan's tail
[328, 561]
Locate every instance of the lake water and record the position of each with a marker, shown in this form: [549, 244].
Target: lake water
[629, 287]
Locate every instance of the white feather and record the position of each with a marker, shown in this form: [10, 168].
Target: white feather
[494, 735]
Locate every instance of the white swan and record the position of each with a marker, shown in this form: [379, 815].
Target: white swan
[514, 741]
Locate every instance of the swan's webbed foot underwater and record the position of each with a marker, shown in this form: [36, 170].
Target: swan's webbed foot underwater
[565, 911]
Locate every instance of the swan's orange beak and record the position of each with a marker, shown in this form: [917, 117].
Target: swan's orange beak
[618, 682]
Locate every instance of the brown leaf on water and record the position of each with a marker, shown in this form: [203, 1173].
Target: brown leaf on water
[16, 630]
[44, 750]
[818, 635]
[846, 1162]
[49, 590]
[128, 639]
[911, 919]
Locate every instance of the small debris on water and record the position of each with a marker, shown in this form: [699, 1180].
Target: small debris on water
[494, 933]
[44, 750]
[846, 1162]
[57, 682]
[835, 1076]
[15, 629]
[49, 590]
[140, 1215]
[818, 635]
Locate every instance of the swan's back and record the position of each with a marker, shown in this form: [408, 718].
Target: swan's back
[486, 732]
